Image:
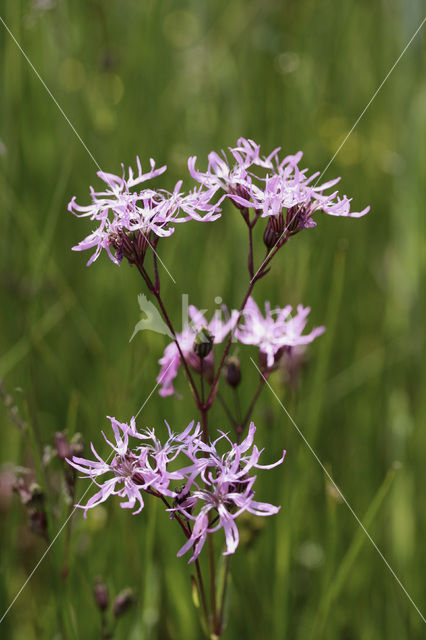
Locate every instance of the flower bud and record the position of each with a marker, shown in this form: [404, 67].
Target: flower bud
[232, 371]
[242, 192]
[61, 445]
[203, 343]
[100, 591]
[123, 245]
[270, 236]
[123, 602]
[274, 231]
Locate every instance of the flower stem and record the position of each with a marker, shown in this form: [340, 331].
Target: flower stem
[228, 345]
[156, 292]
[185, 364]
[202, 380]
[213, 609]
[261, 384]
[238, 406]
[227, 410]
[267, 259]
[250, 256]
[156, 274]
[187, 531]
[202, 592]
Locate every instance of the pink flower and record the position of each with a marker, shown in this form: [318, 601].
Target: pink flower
[125, 215]
[151, 467]
[123, 467]
[287, 186]
[229, 492]
[233, 178]
[171, 361]
[278, 329]
[135, 470]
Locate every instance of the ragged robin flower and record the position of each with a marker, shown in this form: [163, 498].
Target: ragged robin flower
[278, 329]
[227, 492]
[134, 470]
[170, 362]
[129, 220]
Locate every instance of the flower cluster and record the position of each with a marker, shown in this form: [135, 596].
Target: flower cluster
[277, 331]
[227, 491]
[205, 485]
[170, 361]
[212, 488]
[281, 186]
[235, 180]
[130, 220]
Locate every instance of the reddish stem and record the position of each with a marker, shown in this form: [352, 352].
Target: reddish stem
[250, 256]
[227, 347]
[153, 289]
[260, 386]
[187, 533]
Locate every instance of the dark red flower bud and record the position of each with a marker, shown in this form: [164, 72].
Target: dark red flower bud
[233, 371]
[100, 591]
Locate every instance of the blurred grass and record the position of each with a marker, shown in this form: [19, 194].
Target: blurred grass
[168, 80]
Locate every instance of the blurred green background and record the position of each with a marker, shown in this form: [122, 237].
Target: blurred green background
[172, 79]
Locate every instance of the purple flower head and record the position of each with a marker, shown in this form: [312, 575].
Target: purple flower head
[130, 219]
[289, 188]
[277, 330]
[126, 481]
[171, 361]
[133, 471]
[228, 492]
[233, 178]
[161, 454]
